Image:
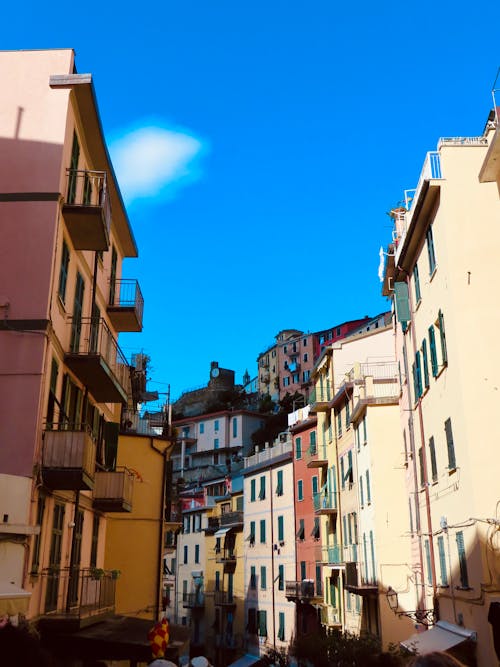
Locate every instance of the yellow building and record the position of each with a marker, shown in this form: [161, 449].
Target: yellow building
[441, 274]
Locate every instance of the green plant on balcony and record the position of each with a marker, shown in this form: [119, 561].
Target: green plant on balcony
[96, 573]
[115, 574]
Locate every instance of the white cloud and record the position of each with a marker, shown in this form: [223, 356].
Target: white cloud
[152, 161]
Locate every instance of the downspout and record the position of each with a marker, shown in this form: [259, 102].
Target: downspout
[159, 569]
[272, 555]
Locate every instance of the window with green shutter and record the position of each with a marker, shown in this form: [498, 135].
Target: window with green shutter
[301, 530]
[40, 513]
[279, 483]
[281, 577]
[432, 351]
[300, 490]
[462, 560]
[252, 490]
[430, 251]
[425, 363]
[262, 617]
[312, 442]
[251, 537]
[303, 570]
[63, 272]
[416, 284]
[368, 490]
[452, 463]
[442, 335]
[421, 465]
[262, 531]
[315, 533]
[281, 629]
[428, 561]
[252, 623]
[361, 494]
[281, 528]
[401, 301]
[442, 561]
[298, 448]
[432, 452]
[263, 577]
[262, 492]
[347, 415]
[253, 577]
[411, 514]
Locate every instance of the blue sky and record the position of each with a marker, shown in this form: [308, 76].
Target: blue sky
[259, 146]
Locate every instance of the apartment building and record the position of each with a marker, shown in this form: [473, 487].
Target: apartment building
[439, 274]
[64, 301]
[306, 589]
[269, 530]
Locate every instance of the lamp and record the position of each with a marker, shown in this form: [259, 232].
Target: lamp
[423, 616]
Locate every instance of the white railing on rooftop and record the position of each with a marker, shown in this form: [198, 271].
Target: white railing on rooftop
[462, 141]
[377, 370]
[268, 454]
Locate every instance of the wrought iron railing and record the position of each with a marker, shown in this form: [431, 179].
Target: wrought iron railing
[86, 187]
[325, 500]
[126, 293]
[79, 592]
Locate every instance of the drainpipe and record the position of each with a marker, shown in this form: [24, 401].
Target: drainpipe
[424, 458]
[159, 569]
[272, 555]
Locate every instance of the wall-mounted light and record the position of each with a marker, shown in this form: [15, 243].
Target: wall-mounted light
[425, 617]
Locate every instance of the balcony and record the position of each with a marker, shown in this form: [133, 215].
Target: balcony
[126, 305]
[233, 519]
[72, 602]
[301, 591]
[332, 555]
[87, 210]
[293, 366]
[227, 556]
[317, 457]
[194, 601]
[330, 616]
[113, 490]
[224, 599]
[96, 359]
[325, 503]
[355, 583]
[319, 399]
[68, 458]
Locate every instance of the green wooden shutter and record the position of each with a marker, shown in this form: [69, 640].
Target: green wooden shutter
[452, 463]
[281, 577]
[442, 334]
[111, 431]
[428, 562]
[368, 490]
[263, 577]
[462, 559]
[252, 490]
[432, 451]
[402, 302]
[281, 529]
[432, 349]
[425, 363]
[281, 630]
[416, 282]
[421, 465]
[442, 561]
[262, 531]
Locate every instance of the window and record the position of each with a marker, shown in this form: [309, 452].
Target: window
[235, 427]
[452, 463]
[425, 363]
[196, 553]
[281, 577]
[253, 578]
[339, 424]
[462, 560]
[430, 251]
[428, 561]
[372, 549]
[216, 459]
[301, 530]
[251, 537]
[442, 335]
[202, 428]
[252, 490]
[303, 574]
[432, 452]
[298, 448]
[184, 590]
[368, 490]
[342, 476]
[286, 381]
[347, 416]
[296, 378]
[94, 541]
[306, 356]
[262, 531]
[306, 376]
[364, 431]
[315, 485]
[40, 511]
[361, 494]
[263, 578]
[52, 393]
[416, 283]
[73, 165]
[76, 322]
[305, 342]
[281, 528]
[216, 425]
[279, 483]
[417, 377]
[300, 490]
[315, 531]
[63, 272]
[262, 492]
[421, 462]
[312, 442]
[217, 580]
[216, 443]
[432, 350]
[185, 554]
[252, 621]
[319, 581]
[281, 629]
[411, 515]
[442, 561]
[262, 616]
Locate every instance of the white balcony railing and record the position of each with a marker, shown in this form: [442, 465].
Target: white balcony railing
[268, 454]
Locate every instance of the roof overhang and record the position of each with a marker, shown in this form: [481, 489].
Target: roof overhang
[82, 90]
[222, 532]
[490, 170]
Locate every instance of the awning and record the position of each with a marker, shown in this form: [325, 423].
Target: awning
[245, 661]
[441, 637]
[13, 599]
[221, 532]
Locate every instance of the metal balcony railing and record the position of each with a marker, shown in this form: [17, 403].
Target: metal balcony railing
[231, 518]
[87, 210]
[226, 555]
[224, 598]
[80, 592]
[194, 600]
[301, 590]
[95, 357]
[126, 304]
[332, 555]
[325, 502]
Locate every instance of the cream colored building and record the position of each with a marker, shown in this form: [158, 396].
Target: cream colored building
[441, 273]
